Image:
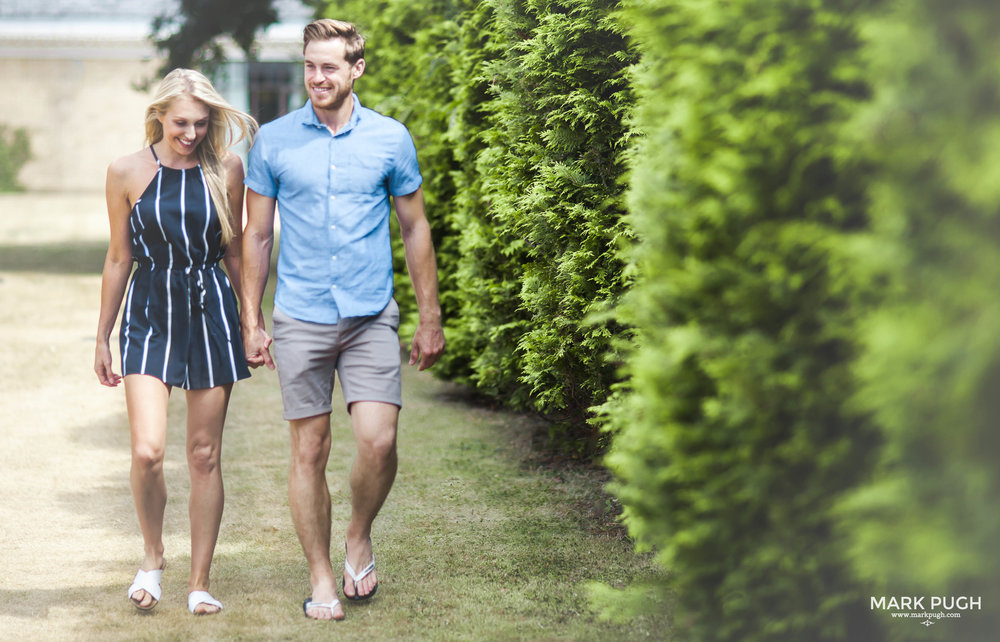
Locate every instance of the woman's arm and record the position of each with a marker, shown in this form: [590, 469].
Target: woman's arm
[117, 266]
[234, 192]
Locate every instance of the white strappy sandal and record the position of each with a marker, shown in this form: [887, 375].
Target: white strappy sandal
[148, 581]
[202, 597]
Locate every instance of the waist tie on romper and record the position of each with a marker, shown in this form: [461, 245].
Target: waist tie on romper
[194, 277]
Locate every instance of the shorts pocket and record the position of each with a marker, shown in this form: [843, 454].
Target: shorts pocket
[390, 315]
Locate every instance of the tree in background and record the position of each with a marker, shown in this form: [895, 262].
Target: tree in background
[733, 442]
[189, 36]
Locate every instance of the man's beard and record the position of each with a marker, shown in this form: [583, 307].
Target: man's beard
[336, 100]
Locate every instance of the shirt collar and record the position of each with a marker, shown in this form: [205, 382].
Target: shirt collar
[312, 120]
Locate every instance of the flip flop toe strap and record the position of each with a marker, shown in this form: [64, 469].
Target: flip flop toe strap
[357, 577]
[309, 604]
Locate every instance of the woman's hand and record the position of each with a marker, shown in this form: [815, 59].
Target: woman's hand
[102, 366]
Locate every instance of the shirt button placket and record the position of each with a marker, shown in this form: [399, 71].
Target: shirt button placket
[333, 215]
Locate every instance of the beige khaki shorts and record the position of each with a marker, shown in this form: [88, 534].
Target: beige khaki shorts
[363, 352]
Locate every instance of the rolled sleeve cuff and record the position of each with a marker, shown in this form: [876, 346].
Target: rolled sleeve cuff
[262, 188]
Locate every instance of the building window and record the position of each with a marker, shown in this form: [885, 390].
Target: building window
[275, 89]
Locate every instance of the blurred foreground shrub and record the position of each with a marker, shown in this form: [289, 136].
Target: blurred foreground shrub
[732, 440]
[929, 524]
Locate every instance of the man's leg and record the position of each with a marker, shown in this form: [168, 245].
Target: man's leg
[309, 498]
[372, 475]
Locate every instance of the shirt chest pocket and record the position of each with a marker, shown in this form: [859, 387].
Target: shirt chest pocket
[363, 176]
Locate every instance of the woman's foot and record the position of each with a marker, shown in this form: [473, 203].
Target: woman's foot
[145, 591]
[202, 603]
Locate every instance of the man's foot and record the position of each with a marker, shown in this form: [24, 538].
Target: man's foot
[322, 610]
[364, 583]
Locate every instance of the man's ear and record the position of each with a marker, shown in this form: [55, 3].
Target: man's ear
[358, 69]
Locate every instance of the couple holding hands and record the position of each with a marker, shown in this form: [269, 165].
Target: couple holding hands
[176, 209]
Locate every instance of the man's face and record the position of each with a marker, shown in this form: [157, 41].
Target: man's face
[329, 78]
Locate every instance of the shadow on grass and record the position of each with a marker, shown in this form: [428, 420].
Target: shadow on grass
[38, 603]
[85, 257]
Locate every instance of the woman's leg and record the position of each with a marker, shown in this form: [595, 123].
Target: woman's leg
[146, 398]
[206, 416]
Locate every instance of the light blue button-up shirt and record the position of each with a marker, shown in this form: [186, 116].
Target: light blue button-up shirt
[335, 256]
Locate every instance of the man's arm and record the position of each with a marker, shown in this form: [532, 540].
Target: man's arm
[428, 341]
[258, 239]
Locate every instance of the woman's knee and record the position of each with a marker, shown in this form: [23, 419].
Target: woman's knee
[147, 455]
[203, 456]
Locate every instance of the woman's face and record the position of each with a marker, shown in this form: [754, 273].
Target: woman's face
[185, 124]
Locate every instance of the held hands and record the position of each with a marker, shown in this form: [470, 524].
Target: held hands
[102, 366]
[428, 344]
[256, 344]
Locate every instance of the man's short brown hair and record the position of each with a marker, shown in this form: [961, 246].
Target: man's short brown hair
[327, 29]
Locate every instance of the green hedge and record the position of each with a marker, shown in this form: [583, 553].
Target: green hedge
[805, 417]
[929, 523]
[540, 260]
[734, 443]
[518, 110]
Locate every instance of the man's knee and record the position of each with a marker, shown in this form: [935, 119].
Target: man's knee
[379, 445]
[311, 442]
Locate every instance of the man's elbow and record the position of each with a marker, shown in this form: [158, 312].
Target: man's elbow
[257, 237]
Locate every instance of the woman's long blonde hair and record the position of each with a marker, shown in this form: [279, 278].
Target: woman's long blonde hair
[223, 122]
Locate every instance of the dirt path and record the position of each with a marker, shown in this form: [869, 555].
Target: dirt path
[60, 440]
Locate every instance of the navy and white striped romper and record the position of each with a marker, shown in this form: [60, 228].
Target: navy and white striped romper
[180, 322]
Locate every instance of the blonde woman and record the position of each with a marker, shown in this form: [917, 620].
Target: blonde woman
[175, 209]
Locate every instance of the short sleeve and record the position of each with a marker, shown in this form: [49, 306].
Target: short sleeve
[260, 177]
[405, 177]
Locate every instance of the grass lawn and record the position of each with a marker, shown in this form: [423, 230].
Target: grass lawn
[480, 539]
[476, 542]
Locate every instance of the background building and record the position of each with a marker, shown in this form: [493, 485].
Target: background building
[72, 71]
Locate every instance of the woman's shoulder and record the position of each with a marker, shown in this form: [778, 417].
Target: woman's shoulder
[233, 163]
[130, 174]
[129, 164]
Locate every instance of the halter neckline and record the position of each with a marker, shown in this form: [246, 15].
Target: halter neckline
[176, 169]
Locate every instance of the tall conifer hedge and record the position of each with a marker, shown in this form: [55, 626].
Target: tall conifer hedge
[522, 104]
[734, 443]
[807, 415]
[929, 524]
[550, 174]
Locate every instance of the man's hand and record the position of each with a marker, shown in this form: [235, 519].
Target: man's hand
[256, 344]
[428, 344]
